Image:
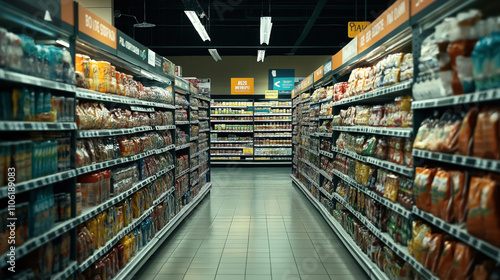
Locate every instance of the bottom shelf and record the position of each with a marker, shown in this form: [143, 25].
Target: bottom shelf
[366, 264]
[142, 257]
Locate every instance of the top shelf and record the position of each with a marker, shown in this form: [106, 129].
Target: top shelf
[9, 76]
[237, 107]
[377, 96]
[481, 96]
[94, 95]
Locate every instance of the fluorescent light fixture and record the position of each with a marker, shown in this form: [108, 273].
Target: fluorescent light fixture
[260, 55]
[265, 30]
[214, 54]
[146, 74]
[63, 43]
[193, 17]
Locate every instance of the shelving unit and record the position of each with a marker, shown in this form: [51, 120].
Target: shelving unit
[77, 134]
[268, 119]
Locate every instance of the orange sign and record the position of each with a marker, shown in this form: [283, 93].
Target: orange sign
[337, 60]
[68, 11]
[393, 17]
[308, 81]
[355, 27]
[242, 86]
[318, 74]
[92, 25]
[419, 5]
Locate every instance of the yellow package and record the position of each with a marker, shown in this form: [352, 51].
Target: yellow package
[132, 244]
[101, 229]
[91, 224]
[135, 205]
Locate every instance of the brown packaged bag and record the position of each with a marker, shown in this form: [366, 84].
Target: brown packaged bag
[463, 261]
[423, 181]
[444, 198]
[449, 135]
[486, 133]
[483, 218]
[435, 250]
[483, 270]
[446, 260]
[459, 185]
[465, 133]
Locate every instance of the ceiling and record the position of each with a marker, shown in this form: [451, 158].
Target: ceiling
[301, 27]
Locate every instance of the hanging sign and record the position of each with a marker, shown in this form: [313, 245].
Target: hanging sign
[242, 86]
[350, 50]
[96, 28]
[271, 94]
[418, 5]
[337, 60]
[132, 50]
[327, 67]
[397, 14]
[318, 74]
[355, 27]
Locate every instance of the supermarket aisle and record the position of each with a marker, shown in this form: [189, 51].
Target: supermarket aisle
[254, 225]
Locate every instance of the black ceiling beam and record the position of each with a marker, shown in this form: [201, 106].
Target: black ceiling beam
[309, 25]
[244, 47]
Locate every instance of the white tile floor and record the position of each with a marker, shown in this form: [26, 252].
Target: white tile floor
[254, 225]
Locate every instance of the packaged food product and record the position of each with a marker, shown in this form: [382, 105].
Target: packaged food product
[441, 201]
[435, 250]
[446, 259]
[423, 182]
[483, 214]
[463, 262]
[460, 187]
[466, 132]
[486, 134]
[391, 187]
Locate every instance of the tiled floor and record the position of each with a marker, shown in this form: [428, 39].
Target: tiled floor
[254, 225]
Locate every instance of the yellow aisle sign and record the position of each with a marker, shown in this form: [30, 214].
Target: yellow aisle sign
[271, 94]
[355, 27]
[248, 151]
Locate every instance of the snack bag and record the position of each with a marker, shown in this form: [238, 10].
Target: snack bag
[463, 261]
[465, 133]
[486, 134]
[422, 188]
[441, 203]
[446, 259]
[460, 187]
[435, 250]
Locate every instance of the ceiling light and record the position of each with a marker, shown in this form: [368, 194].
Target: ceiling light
[62, 43]
[193, 17]
[265, 30]
[260, 55]
[214, 54]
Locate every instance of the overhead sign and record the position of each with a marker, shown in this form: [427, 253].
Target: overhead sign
[337, 60]
[419, 5]
[204, 86]
[95, 27]
[284, 84]
[327, 67]
[68, 12]
[181, 84]
[355, 27]
[392, 18]
[282, 80]
[271, 94]
[350, 50]
[132, 50]
[242, 86]
[318, 74]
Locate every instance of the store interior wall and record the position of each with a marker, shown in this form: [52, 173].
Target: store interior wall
[103, 8]
[221, 72]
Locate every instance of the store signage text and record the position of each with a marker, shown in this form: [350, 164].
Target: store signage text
[271, 94]
[242, 86]
[318, 74]
[355, 27]
[129, 46]
[95, 27]
[327, 67]
[419, 5]
[350, 50]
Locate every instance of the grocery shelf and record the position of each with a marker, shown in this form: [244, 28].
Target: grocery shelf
[311, 165]
[195, 167]
[202, 140]
[274, 136]
[181, 122]
[164, 171]
[362, 259]
[165, 149]
[82, 93]
[407, 171]
[231, 115]
[309, 150]
[142, 109]
[389, 131]
[90, 212]
[379, 95]
[204, 130]
[324, 174]
[466, 161]
[325, 153]
[67, 272]
[271, 106]
[109, 245]
[232, 155]
[231, 121]
[277, 114]
[39, 182]
[273, 130]
[111, 132]
[18, 78]
[203, 173]
[204, 118]
[475, 97]
[232, 131]
[182, 173]
[181, 91]
[272, 120]
[34, 242]
[257, 155]
[193, 138]
[382, 200]
[235, 141]
[165, 127]
[36, 126]
[305, 100]
[460, 233]
[315, 119]
[194, 122]
[324, 134]
[326, 117]
[194, 108]
[113, 162]
[314, 183]
[193, 183]
[401, 251]
[183, 146]
[277, 146]
[235, 107]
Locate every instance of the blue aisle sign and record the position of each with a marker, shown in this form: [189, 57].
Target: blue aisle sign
[282, 80]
